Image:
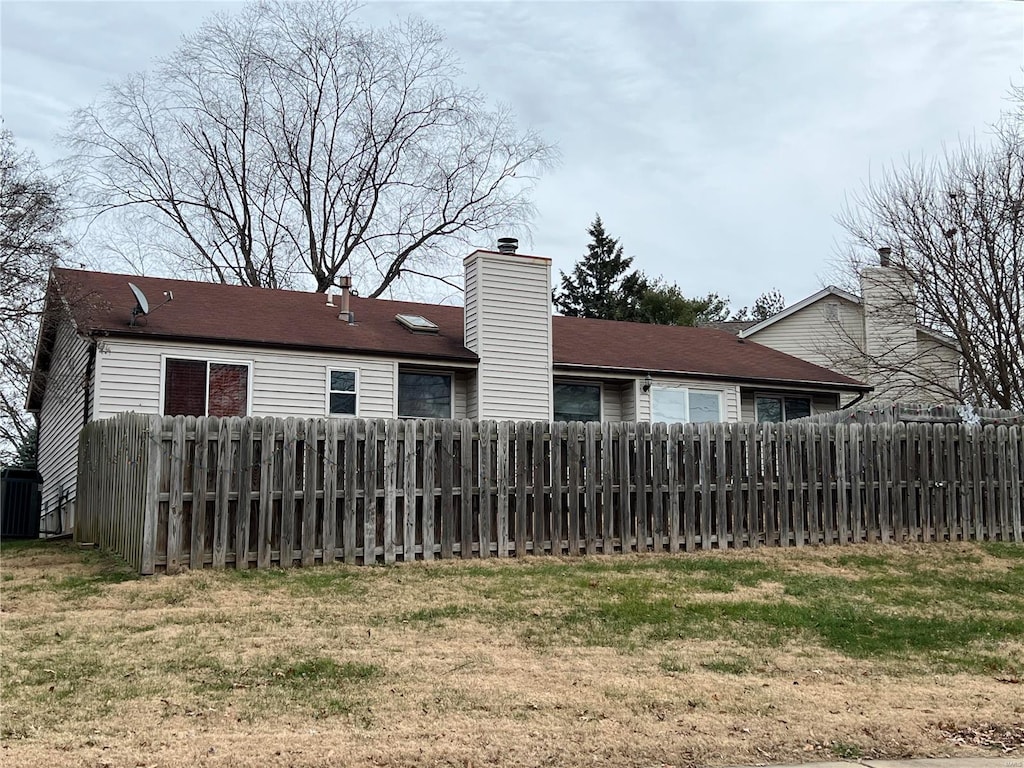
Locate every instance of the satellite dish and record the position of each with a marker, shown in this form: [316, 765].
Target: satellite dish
[142, 303]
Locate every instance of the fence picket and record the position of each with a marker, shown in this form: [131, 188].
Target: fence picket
[502, 484]
[486, 429]
[466, 486]
[391, 430]
[329, 523]
[200, 480]
[641, 454]
[737, 439]
[557, 487]
[589, 457]
[429, 487]
[409, 487]
[537, 488]
[350, 505]
[371, 481]
[243, 509]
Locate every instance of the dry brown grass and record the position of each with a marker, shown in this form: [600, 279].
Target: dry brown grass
[471, 664]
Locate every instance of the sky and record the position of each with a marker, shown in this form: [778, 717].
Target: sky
[717, 140]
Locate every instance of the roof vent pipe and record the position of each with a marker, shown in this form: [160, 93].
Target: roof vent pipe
[507, 244]
[884, 255]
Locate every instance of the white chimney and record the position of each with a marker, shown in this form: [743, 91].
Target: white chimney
[508, 325]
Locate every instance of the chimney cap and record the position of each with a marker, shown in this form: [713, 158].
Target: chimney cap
[884, 255]
[508, 244]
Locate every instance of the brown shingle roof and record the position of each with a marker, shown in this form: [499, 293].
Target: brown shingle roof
[231, 314]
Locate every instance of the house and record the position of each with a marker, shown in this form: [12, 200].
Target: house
[874, 337]
[230, 350]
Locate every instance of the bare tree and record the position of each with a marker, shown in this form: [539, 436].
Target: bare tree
[31, 241]
[288, 145]
[955, 226]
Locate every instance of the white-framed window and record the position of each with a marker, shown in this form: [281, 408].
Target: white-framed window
[198, 387]
[682, 405]
[424, 395]
[775, 408]
[342, 392]
[577, 401]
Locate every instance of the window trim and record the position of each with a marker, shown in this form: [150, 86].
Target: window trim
[432, 372]
[782, 397]
[580, 382]
[668, 387]
[329, 369]
[164, 357]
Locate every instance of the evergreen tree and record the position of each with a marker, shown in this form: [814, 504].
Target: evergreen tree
[601, 284]
[27, 451]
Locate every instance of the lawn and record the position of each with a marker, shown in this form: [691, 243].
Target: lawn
[697, 659]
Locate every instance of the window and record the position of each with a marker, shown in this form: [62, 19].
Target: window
[577, 402]
[417, 323]
[341, 393]
[779, 408]
[679, 405]
[425, 395]
[204, 388]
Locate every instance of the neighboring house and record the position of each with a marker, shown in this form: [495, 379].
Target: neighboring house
[232, 350]
[874, 337]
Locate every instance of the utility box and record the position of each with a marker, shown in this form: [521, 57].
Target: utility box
[20, 503]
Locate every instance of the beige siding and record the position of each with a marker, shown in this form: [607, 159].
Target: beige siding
[283, 383]
[811, 336]
[730, 396]
[460, 388]
[513, 335]
[611, 402]
[629, 392]
[61, 417]
[937, 365]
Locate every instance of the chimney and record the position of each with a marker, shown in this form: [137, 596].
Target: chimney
[889, 299]
[345, 283]
[507, 323]
[507, 244]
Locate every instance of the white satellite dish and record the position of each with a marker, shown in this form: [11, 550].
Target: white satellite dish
[142, 303]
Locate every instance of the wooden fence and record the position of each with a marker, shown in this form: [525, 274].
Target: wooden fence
[926, 413]
[168, 493]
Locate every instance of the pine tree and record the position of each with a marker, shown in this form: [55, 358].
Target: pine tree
[601, 284]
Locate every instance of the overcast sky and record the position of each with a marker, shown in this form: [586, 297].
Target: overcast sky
[716, 139]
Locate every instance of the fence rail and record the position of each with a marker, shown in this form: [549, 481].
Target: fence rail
[169, 493]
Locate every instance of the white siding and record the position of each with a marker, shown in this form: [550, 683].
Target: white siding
[512, 320]
[730, 396]
[60, 420]
[283, 383]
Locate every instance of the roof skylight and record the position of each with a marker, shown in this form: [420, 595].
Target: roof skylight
[417, 323]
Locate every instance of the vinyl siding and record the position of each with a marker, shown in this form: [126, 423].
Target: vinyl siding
[283, 383]
[61, 417]
[513, 339]
[807, 334]
[937, 364]
[730, 396]
[611, 403]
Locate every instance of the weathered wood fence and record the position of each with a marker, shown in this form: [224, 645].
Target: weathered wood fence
[168, 493]
[886, 412]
